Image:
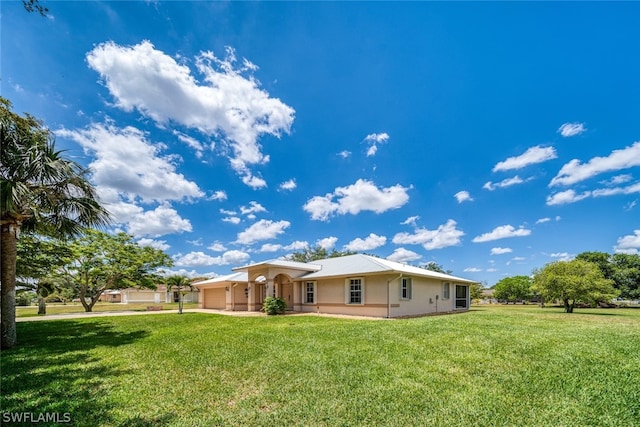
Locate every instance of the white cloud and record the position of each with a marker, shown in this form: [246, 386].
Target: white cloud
[574, 171]
[196, 242]
[444, 236]
[502, 232]
[158, 222]
[156, 244]
[618, 179]
[500, 251]
[126, 162]
[262, 230]
[570, 196]
[564, 197]
[193, 143]
[344, 154]
[228, 212]
[296, 246]
[254, 207]
[270, 247]
[508, 182]
[562, 256]
[217, 247]
[362, 196]
[629, 244]
[411, 221]
[517, 259]
[463, 196]
[491, 270]
[327, 242]
[194, 259]
[631, 189]
[374, 139]
[404, 255]
[543, 220]
[372, 241]
[200, 259]
[231, 219]
[219, 195]
[288, 185]
[472, 270]
[533, 155]
[571, 129]
[229, 101]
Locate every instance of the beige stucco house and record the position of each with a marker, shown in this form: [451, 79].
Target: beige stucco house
[358, 284]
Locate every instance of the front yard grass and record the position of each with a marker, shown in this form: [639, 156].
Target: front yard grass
[492, 366]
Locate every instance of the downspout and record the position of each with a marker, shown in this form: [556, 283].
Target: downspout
[389, 295]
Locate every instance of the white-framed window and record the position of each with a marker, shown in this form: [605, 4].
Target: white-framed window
[354, 290]
[309, 292]
[446, 290]
[406, 287]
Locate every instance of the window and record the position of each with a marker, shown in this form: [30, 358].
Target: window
[406, 285]
[354, 291]
[309, 292]
[445, 290]
[461, 296]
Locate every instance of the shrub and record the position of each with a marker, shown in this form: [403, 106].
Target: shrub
[273, 305]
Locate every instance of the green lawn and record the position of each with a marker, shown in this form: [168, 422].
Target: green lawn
[492, 366]
[76, 307]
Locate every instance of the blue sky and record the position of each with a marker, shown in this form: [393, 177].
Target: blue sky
[491, 138]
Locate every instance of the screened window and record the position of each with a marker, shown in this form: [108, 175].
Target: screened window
[446, 290]
[461, 296]
[355, 291]
[406, 285]
[310, 291]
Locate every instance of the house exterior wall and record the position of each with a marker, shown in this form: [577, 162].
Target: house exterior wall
[131, 296]
[426, 298]
[330, 297]
[240, 300]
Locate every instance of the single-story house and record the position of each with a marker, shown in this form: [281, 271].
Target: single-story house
[354, 285]
[156, 296]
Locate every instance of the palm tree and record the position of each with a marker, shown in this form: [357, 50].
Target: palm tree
[183, 285]
[39, 190]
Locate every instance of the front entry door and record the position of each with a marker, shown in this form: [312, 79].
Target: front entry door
[287, 295]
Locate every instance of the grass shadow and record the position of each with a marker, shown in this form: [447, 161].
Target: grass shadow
[53, 370]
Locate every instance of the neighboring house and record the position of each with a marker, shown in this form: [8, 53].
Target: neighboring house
[354, 285]
[156, 296]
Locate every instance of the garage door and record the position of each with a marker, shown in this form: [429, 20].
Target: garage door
[215, 298]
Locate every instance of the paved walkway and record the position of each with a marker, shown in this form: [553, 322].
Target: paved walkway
[186, 310]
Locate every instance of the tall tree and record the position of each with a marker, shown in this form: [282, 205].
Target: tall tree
[623, 269]
[573, 282]
[512, 289]
[182, 285]
[39, 190]
[100, 261]
[37, 258]
[313, 254]
[626, 274]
